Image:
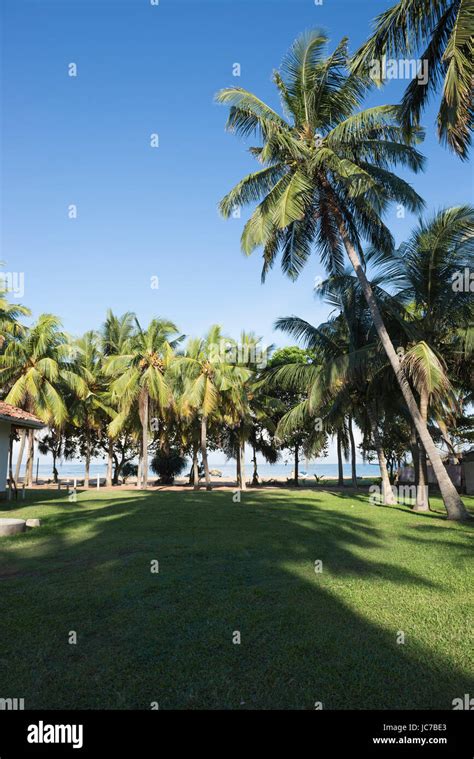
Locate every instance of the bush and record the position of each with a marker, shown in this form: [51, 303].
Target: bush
[167, 465]
[129, 470]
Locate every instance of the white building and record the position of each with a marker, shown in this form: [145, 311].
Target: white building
[12, 418]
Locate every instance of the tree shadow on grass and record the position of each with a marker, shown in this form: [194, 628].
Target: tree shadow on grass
[225, 569]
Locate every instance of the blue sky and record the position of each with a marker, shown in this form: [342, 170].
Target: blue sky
[145, 212]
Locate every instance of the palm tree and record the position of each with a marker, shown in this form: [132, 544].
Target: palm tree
[326, 181]
[37, 372]
[91, 410]
[140, 380]
[10, 327]
[444, 28]
[116, 332]
[115, 335]
[209, 373]
[438, 314]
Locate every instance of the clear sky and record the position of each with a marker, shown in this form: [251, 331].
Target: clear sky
[146, 212]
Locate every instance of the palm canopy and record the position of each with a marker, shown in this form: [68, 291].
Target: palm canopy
[440, 31]
[427, 265]
[37, 368]
[326, 164]
[91, 408]
[10, 327]
[206, 371]
[141, 371]
[116, 333]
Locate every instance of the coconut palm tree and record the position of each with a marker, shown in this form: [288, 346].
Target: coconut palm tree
[10, 327]
[429, 269]
[37, 371]
[325, 183]
[116, 332]
[91, 411]
[440, 33]
[140, 382]
[115, 335]
[210, 371]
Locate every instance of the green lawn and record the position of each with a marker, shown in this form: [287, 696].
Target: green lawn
[225, 567]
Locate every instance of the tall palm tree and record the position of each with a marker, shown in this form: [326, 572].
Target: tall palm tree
[440, 32]
[91, 411]
[10, 327]
[140, 380]
[439, 315]
[115, 335]
[325, 183]
[209, 374]
[36, 370]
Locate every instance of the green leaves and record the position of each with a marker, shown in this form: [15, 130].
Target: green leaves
[445, 27]
[330, 167]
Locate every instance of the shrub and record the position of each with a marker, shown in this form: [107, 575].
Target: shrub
[167, 465]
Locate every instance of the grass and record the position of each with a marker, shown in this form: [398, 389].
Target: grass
[167, 637]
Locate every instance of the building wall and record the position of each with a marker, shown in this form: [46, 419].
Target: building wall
[4, 447]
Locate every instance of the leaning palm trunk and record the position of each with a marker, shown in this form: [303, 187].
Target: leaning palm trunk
[353, 453]
[204, 452]
[451, 498]
[388, 497]
[297, 457]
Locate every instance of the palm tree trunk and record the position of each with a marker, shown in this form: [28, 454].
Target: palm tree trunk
[145, 442]
[451, 498]
[55, 471]
[20, 454]
[353, 452]
[140, 464]
[30, 459]
[388, 497]
[297, 455]
[255, 470]
[195, 471]
[204, 452]
[243, 484]
[238, 462]
[421, 501]
[110, 460]
[340, 470]
[88, 460]
[422, 490]
[415, 455]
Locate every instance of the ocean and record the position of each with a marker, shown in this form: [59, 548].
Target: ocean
[266, 471]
